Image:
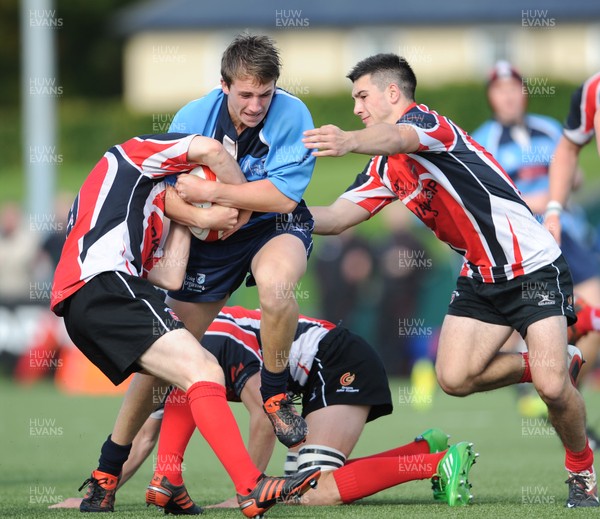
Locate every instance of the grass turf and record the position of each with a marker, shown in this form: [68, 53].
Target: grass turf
[51, 441]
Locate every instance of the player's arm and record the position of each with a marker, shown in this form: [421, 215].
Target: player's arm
[379, 139]
[562, 174]
[210, 152]
[169, 271]
[204, 150]
[262, 439]
[337, 217]
[260, 195]
[215, 217]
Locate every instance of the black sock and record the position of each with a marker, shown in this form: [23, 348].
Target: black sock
[272, 384]
[112, 457]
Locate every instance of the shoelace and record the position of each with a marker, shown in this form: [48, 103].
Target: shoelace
[96, 495]
[578, 486]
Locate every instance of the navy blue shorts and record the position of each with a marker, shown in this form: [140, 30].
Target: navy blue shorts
[217, 268]
[581, 259]
[518, 302]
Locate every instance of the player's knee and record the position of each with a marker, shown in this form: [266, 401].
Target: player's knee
[279, 298]
[199, 367]
[553, 390]
[453, 384]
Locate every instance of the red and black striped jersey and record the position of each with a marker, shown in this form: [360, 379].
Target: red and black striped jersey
[585, 103]
[463, 195]
[243, 326]
[116, 221]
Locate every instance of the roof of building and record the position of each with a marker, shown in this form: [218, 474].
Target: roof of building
[286, 14]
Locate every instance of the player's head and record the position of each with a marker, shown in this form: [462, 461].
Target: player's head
[506, 95]
[250, 67]
[382, 87]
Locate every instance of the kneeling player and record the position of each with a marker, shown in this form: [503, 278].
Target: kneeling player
[343, 385]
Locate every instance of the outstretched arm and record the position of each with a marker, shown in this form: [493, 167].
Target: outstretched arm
[337, 217]
[379, 139]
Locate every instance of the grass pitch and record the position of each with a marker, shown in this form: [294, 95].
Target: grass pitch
[51, 441]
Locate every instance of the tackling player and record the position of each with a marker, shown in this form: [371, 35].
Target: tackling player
[513, 275]
[260, 127]
[120, 322]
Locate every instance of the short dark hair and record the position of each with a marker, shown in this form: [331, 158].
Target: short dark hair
[253, 56]
[386, 69]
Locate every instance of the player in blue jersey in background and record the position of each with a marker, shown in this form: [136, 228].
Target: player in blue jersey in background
[524, 145]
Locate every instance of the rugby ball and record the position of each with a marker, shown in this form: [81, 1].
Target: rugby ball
[205, 173]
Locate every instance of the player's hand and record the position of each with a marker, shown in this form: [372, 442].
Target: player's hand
[329, 140]
[243, 217]
[70, 502]
[552, 223]
[217, 218]
[229, 503]
[193, 189]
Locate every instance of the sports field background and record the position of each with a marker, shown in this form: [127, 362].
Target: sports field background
[50, 443]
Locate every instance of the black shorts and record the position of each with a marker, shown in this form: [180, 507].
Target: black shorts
[216, 269]
[238, 362]
[346, 371]
[114, 318]
[518, 302]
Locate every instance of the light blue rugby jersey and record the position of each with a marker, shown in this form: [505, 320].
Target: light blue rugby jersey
[272, 150]
[527, 158]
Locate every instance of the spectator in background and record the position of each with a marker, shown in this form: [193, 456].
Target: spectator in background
[18, 250]
[344, 270]
[524, 144]
[401, 262]
[51, 247]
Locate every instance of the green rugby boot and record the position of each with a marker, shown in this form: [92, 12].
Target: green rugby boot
[451, 482]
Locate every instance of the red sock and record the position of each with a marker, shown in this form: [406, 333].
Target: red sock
[579, 461]
[421, 447]
[370, 475]
[526, 377]
[588, 319]
[216, 423]
[175, 433]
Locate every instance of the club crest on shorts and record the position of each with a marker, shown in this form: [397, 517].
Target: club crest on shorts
[347, 378]
[345, 383]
